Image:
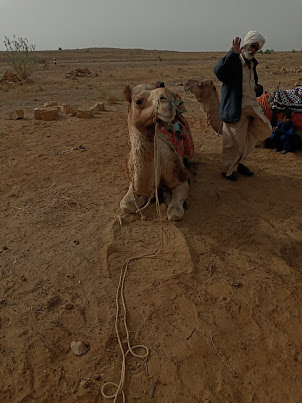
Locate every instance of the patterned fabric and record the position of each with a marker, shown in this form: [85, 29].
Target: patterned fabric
[288, 99]
[267, 110]
[265, 107]
[177, 133]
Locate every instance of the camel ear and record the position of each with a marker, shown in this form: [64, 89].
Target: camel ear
[128, 93]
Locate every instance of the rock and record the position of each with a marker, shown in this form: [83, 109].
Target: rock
[68, 110]
[46, 113]
[37, 114]
[50, 103]
[84, 113]
[111, 100]
[97, 377]
[9, 77]
[84, 383]
[79, 347]
[100, 106]
[16, 114]
[49, 113]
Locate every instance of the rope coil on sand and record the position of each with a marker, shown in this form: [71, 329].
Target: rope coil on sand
[121, 285]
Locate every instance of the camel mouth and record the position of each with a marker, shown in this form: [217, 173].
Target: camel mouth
[165, 118]
[165, 111]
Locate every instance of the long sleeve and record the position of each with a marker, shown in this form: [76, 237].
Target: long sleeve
[224, 69]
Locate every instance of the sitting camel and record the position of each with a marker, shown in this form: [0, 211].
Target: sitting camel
[148, 104]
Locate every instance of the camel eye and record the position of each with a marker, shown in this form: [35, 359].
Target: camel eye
[139, 102]
[162, 98]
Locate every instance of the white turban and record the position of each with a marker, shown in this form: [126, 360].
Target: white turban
[254, 37]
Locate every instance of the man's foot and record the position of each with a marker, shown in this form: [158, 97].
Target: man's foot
[283, 152]
[242, 169]
[231, 177]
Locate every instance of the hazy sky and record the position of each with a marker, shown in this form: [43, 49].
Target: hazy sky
[183, 25]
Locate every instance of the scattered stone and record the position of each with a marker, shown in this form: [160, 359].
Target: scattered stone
[80, 73]
[16, 114]
[79, 347]
[97, 377]
[84, 113]
[27, 81]
[9, 77]
[49, 113]
[69, 110]
[84, 383]
[111, 100]
[100, 106]
[5, 247]
[37, 114]
[50, 103]
[233, 282]
[23, 278]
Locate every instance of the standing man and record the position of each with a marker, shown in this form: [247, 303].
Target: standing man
[243, 122]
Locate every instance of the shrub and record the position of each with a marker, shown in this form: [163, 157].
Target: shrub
[21, 56]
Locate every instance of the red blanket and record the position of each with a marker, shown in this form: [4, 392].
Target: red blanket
[177, 133]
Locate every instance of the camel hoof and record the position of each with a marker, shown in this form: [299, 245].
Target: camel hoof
[175, 213]
[129, 207]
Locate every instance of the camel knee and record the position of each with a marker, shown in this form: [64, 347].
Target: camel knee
[180, 194]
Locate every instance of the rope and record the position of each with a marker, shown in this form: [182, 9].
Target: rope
[121, 285]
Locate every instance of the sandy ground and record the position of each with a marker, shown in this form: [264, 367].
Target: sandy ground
[219, 309]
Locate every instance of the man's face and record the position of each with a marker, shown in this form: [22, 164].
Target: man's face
[250, 50]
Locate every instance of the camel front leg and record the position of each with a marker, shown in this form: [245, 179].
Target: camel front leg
[175, 205]
[128, 204]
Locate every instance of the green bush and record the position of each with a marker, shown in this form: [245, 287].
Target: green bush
[21, 56]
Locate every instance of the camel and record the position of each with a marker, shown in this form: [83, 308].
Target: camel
[206, 93]
[145, 104]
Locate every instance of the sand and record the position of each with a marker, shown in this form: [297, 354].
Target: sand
[219, 309]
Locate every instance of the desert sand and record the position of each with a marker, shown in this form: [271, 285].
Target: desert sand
[219, 309]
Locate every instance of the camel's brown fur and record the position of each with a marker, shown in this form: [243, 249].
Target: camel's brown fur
[143, 101]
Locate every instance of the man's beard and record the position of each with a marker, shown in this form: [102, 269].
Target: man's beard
[248, 55]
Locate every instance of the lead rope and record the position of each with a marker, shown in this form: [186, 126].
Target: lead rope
[121, 285]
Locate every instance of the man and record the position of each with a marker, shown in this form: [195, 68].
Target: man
[243, 122]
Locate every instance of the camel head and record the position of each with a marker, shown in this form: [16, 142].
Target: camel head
[201, 89]
[206, 93]
[147, 102]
